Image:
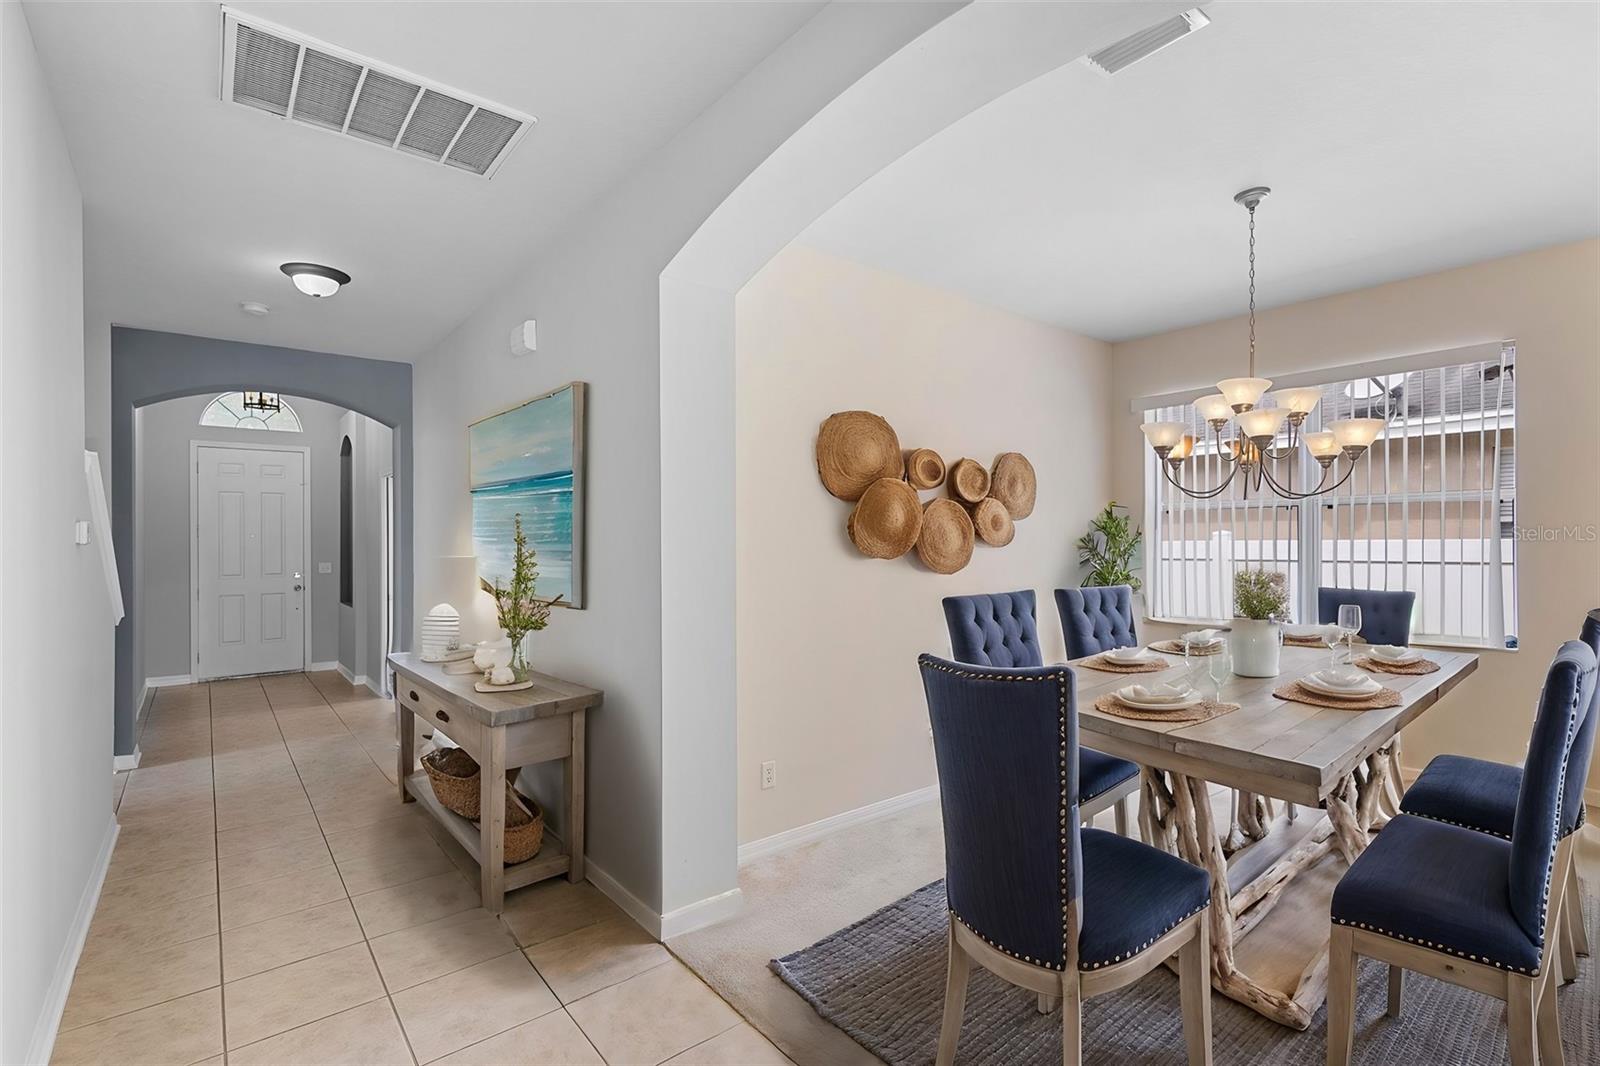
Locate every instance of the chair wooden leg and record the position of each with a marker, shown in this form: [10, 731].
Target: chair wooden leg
[1561, 929]
[1122, 816]
[1048, 1003]
[955, 1001]
[1397, 989]
[1341, 995]
[1194, 988]
[1548, 1025]
[1573, 905]
[1521, 996]
[1071, 1020]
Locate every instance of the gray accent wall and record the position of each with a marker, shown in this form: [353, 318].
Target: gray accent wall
[149, 367]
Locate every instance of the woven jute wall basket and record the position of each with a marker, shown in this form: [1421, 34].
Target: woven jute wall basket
[924, 468]
[886, 520]
[854, 449]
[993, 522]
[968, 481]
[945, 543]
[1014, 483]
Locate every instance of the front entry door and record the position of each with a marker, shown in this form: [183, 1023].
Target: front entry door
[250, 561]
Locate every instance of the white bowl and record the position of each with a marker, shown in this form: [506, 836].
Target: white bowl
[1393, 653]
[1128, 655]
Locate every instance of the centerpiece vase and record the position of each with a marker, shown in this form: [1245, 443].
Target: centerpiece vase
[1255, 644]
[519, 659]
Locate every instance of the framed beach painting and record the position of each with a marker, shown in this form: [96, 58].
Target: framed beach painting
[528, 461]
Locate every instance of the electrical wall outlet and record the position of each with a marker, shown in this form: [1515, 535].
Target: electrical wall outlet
[769, 774]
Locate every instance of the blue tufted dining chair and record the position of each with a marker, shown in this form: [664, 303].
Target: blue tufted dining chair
[1001, 629]
[1482, 795]
[1385, 616]
[1063, 911]
[1096, 619]
[1467, 907]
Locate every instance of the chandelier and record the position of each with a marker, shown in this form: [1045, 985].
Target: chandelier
[1268, 435]
[256, 400]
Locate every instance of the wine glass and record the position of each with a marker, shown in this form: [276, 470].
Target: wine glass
[1220, 667]
[1349, 626]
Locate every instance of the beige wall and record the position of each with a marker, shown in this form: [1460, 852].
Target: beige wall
[827, 639]
[1547, 302]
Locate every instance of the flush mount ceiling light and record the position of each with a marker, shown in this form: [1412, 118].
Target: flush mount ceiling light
[314, 279]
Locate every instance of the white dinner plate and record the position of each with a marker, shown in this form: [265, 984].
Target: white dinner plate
[1158, 705]
[1311, 682]
[1125, 657]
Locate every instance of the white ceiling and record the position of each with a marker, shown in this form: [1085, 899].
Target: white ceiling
[1399, 139]
[190, 203]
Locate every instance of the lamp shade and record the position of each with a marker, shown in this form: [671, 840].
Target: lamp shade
[1298, 401]
[1322, 445]
[1184, 448]
[1214, 408]
[1163, 434]
[1243, 392]
[1356, 432]
[1262, 422]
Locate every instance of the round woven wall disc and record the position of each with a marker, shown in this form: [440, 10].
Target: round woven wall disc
[886, 520]
[968, 481]
[945, 543]
[854, 449]
[993, 522]
[1014, 483]
[924, 468]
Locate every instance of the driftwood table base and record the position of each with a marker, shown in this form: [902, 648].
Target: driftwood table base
[1176, 815]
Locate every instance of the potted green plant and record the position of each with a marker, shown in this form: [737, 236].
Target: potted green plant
[1260, 604]
[518, 609]
[1109, 547]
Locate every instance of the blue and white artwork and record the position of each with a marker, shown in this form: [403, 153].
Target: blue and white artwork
[529, 461]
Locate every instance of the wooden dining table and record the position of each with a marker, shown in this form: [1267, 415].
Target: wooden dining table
[1340, 764]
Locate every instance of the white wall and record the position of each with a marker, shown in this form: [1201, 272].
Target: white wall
[359, 625]
[56, 828]
[163, 434]
[828, 639]
[1543, 300]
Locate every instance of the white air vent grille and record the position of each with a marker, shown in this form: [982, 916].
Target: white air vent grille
[1147, 42]
[292, 76]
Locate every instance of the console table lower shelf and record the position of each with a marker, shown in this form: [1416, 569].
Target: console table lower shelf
[552, 860]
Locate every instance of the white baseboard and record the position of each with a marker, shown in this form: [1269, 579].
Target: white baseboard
[696, 915]
[331, 664]
[126, 762]
[636, 908]
[148, 689]
[345, 673]
[804, 834]
[55, 998]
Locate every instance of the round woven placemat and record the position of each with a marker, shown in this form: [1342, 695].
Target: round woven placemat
[1421, 666]
[1175, 647]
[1110, 666]
[1294, 690]
[1305, 642]
[1200, 712]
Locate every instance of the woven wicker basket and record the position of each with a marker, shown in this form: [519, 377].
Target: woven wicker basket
[456, 780]
[524, 827]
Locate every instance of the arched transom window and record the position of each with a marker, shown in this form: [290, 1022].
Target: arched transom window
[229, 412]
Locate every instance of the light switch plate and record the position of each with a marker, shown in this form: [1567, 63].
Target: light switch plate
[324, 568]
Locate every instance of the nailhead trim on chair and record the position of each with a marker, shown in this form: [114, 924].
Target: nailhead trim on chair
[1497, 964]
[1458, 825]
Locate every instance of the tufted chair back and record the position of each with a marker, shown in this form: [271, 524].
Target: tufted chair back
[1385, 616]
[1583, 742]
[1564, 704]
[1096, 619]
[1005, 742]
[994, 630]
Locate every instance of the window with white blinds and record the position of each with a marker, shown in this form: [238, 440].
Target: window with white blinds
[1431, 508]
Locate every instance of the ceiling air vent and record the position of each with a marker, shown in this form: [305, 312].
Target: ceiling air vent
[1147, 42]
[293, 76]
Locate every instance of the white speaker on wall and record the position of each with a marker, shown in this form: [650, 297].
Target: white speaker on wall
[523, 339]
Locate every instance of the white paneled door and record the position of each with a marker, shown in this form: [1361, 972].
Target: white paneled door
[250, 543]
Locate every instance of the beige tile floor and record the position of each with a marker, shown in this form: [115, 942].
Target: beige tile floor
[270, 901]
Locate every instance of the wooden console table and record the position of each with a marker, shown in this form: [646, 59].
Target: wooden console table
[503, 731]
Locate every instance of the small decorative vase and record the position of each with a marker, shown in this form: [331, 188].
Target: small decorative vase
[1255, 645]
[519, 659]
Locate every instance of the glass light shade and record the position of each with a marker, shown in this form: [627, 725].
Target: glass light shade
[1242, 392]
[1356, 432]
[1298, 401]
[1214, 408]
[1321, 445]
[1262, 422]
[314, 284]
[1163, 434]
[1184, 448]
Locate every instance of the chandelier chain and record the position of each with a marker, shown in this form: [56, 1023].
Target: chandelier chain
[1252, 290]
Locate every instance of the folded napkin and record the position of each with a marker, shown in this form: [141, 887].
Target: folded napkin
[1342, 679]
[1163, 693]
[1126, 655]
[1391, 652]
[1201, 636]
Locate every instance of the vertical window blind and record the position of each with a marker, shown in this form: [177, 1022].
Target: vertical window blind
[1431, 509]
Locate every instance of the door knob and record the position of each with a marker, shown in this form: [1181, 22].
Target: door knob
[299, 588]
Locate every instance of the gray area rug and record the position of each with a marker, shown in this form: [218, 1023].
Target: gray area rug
[881, 980]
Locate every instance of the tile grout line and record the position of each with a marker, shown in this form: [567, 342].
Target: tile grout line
[216, 861]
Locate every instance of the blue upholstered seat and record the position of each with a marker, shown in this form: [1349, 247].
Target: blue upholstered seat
[1094, 620]
[1006, 745]
[1482, 795]
[1385, 616]
[1468, 893]
[1001, 629]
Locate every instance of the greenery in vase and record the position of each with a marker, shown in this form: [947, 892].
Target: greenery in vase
[518, 610]
[1108, 549]
[1261, 594]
